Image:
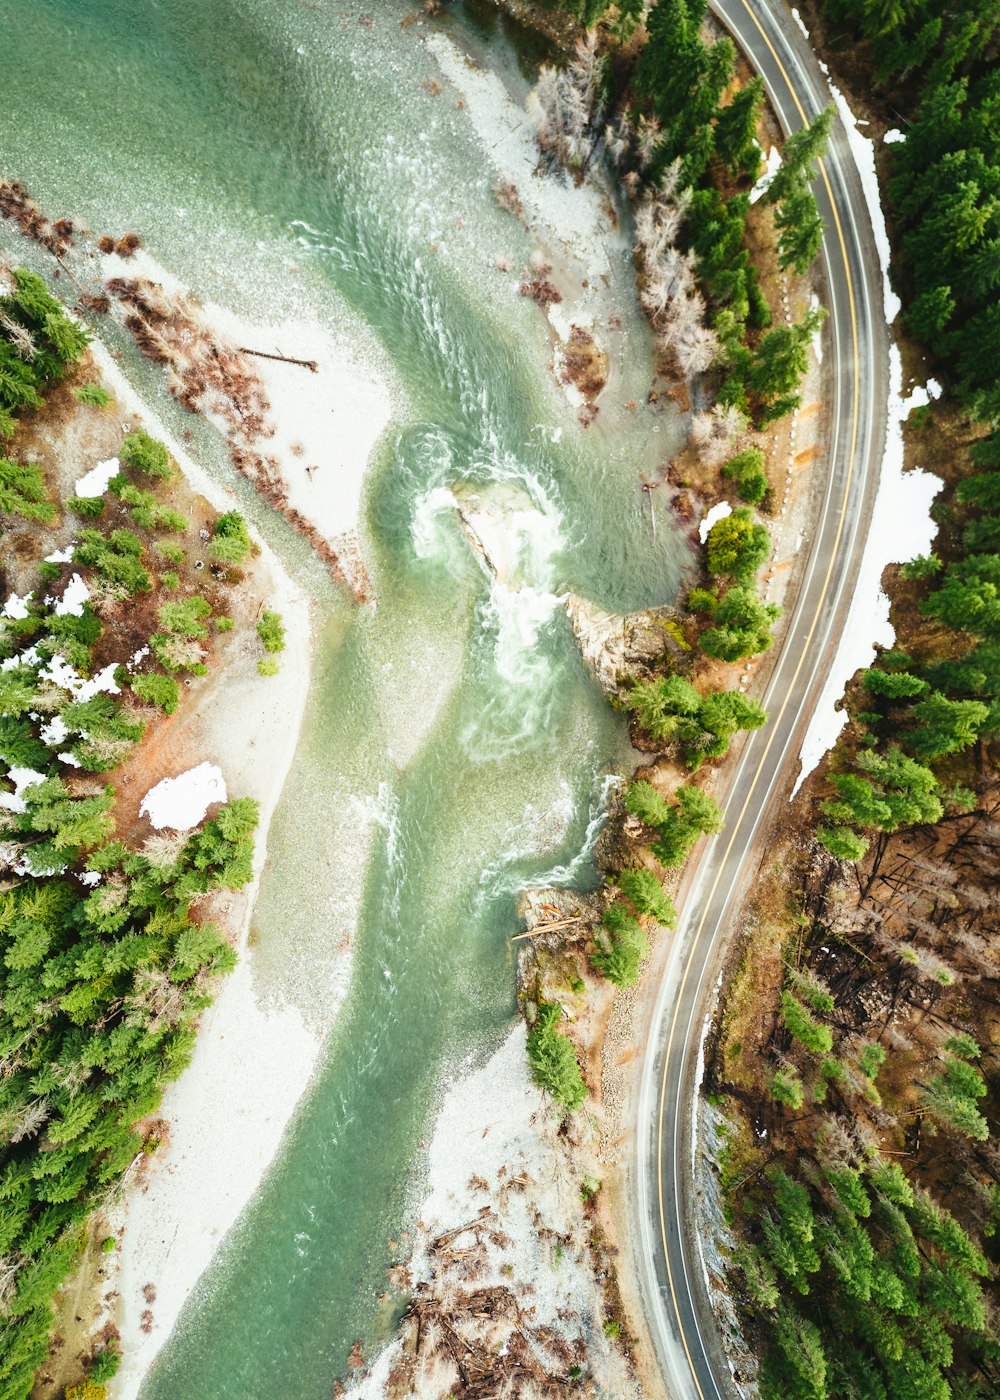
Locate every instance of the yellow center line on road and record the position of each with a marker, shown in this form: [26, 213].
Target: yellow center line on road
[773, 727]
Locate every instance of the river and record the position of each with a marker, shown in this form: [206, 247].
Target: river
[295, 159]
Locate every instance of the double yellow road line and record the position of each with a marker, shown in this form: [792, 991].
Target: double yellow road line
[692, 958]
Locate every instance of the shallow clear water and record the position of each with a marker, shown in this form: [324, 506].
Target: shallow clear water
[283, 158]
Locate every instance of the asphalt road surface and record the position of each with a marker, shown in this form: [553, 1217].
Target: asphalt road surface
[855, 387]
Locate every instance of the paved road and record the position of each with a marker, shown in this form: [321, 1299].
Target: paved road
[855, 368]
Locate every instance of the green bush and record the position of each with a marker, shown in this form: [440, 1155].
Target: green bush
[620, 948]
[742, 626]
[231, 542]
[267, 666]
[841, 842]
[737, 546]
[786, 1088]
[271, 631]
[118, 559]
[93, 394]
[157, 690]
[552, 1059]
[168, 551]
[700, 600]
[645, 892]
[90, 507]
[22, 492]
[672, 709]
[747, 470]
[802, 1027]
[144, 454]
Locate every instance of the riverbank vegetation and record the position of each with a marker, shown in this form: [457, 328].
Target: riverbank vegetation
[660, 104]
[108, 952]
[856, 1054]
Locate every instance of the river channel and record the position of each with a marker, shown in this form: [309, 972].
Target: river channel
[295, 159]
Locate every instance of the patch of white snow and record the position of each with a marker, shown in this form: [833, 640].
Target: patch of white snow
[901, 528]
[16, 607]
[181, 802]
[72, 601]
[54, 732]
[863, 151]
[22, 778]
[892, 137]
[767, 174]
[718, 512]
[95, 482]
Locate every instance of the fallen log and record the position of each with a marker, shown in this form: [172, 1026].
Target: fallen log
[285, 359]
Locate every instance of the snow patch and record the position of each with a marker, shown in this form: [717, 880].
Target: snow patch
[863, 151]
[767, 174]
[29, 657]
[718, 512]
[892, 137]
[22, 778]
[61, 673]
[901, 528]
[800, 22]
[54, 732]
[60, 556]
[95, 482]
[16, 607]
[817, 340]
[72, 601]
[181, 802]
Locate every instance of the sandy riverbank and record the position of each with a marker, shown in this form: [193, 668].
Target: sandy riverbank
[501, 1245]
[253, 1059]
[322, 425]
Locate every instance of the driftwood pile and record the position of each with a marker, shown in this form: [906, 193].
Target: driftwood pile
[16, 203]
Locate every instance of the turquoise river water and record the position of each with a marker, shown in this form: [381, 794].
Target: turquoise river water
[287, 158]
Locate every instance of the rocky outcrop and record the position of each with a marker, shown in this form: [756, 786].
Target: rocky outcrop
[620, 647]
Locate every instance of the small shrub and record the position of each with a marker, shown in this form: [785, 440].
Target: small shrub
[170, 580]
[157, 690]
[144, 454]
[747, 470]
[105, 1364]
[267, 666]
[109, 1244]
[90, 507]
[22, 492]
[271, 631]
[231, 543]
[223, 624]
[552, 1059]
[93, 394]
[168, 551]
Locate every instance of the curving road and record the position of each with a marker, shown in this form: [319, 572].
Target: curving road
[855, 368]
